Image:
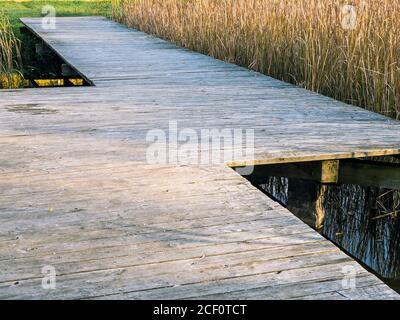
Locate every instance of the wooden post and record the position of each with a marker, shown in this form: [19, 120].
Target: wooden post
[320, 209]
[306, 200]
[330, 171]
[308, 184]
[302, 195]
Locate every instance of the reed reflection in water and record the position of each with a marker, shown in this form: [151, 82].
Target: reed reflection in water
[364, 221]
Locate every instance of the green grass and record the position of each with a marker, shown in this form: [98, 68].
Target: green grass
[19, 9]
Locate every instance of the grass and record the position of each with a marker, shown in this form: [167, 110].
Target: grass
[348, 53]
[28, 8]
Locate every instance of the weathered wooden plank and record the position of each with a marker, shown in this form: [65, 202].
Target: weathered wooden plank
[263, 286]
[173, 273]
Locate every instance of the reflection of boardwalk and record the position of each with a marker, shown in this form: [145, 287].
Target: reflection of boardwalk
[77, 194]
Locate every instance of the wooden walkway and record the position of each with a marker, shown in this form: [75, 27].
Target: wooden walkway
[77, 194]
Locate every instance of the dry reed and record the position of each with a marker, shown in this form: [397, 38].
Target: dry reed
[347, 52]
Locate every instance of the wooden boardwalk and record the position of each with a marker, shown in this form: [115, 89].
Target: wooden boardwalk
[76, 192]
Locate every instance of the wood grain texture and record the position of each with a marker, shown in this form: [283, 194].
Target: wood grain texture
[77, 193]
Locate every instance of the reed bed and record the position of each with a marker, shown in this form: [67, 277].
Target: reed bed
[10, 57]
[347, 52]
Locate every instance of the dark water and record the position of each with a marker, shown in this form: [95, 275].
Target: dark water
[363, 221]
[40, 62]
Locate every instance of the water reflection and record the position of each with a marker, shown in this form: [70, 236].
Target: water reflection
[364, 221]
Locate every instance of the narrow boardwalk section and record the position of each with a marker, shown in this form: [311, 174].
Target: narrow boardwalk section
[77, 194]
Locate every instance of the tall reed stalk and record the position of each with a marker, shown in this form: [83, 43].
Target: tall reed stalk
[10, 57]
[347, 52]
